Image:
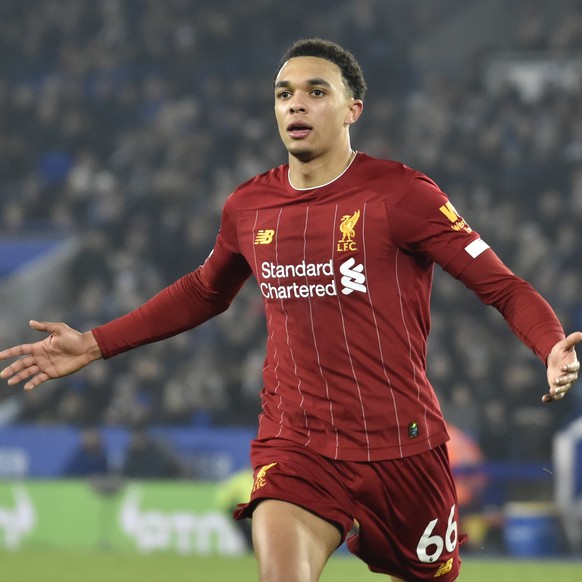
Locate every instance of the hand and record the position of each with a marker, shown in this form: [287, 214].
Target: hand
[563, 366]
[62, 353]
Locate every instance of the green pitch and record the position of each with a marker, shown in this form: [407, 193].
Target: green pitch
[52, 566]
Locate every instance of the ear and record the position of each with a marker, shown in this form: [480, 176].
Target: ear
[354, 111]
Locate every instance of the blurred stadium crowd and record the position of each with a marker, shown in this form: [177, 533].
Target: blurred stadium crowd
[127, 123]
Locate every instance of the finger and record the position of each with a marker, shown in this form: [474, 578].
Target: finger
[557, 392]
[566, 380]
[36, 380]
[573, 339]
[47, 326]
[16, 351]
[23, 375]
[560, 390]
[572, 367]
[39, 325]
[20, 364]
[549, 397]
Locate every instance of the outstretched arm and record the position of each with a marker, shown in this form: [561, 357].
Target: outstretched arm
[563, 367]
[61, 353]
[530, 317]
[188, 302]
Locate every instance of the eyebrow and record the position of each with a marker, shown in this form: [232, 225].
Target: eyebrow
[311, 82]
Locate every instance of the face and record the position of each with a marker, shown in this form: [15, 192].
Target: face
[313, 107]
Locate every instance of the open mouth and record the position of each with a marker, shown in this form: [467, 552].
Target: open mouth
[298, 130]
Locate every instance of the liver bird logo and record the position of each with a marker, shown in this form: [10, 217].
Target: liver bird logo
[347, 228]
[260, 479]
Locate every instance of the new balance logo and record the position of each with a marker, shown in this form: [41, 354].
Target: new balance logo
[353, 278]
[264, 236]
[444, 568]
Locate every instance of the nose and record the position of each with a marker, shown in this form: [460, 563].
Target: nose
[297, 109]
[297, 104]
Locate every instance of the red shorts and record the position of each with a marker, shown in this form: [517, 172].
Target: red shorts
[406, 509]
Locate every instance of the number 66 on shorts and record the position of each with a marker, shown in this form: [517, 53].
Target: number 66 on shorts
[431, 544]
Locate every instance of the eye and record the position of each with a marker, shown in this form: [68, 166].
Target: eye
[283, 95]
[318, 92]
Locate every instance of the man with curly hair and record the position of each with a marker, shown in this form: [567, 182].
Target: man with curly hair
[351, 440]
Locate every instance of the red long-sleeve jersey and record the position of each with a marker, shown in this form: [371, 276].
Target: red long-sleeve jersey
[345, 270]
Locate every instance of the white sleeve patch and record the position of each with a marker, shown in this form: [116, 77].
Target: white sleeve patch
[476, 247]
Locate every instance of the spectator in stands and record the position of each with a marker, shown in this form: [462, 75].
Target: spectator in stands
[148, 459]
[90, 459]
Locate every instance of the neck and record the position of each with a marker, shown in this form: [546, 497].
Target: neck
[319, 170]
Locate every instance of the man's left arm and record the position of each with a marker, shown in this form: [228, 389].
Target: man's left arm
[424, 221]
[529, 316]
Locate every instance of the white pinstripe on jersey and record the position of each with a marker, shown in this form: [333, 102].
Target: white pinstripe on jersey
[413, 367]
[351, 361]
[378, 335]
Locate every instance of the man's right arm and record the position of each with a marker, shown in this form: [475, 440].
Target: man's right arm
[190, 301]
[187, 303]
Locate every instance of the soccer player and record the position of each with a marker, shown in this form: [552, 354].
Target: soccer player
[351, 439]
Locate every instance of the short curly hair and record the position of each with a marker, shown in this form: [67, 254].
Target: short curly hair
[330, 51]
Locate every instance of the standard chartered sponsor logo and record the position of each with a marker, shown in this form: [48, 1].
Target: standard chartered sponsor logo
[296, 290]
[275, 284]
[302, 269]
[353, 278]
